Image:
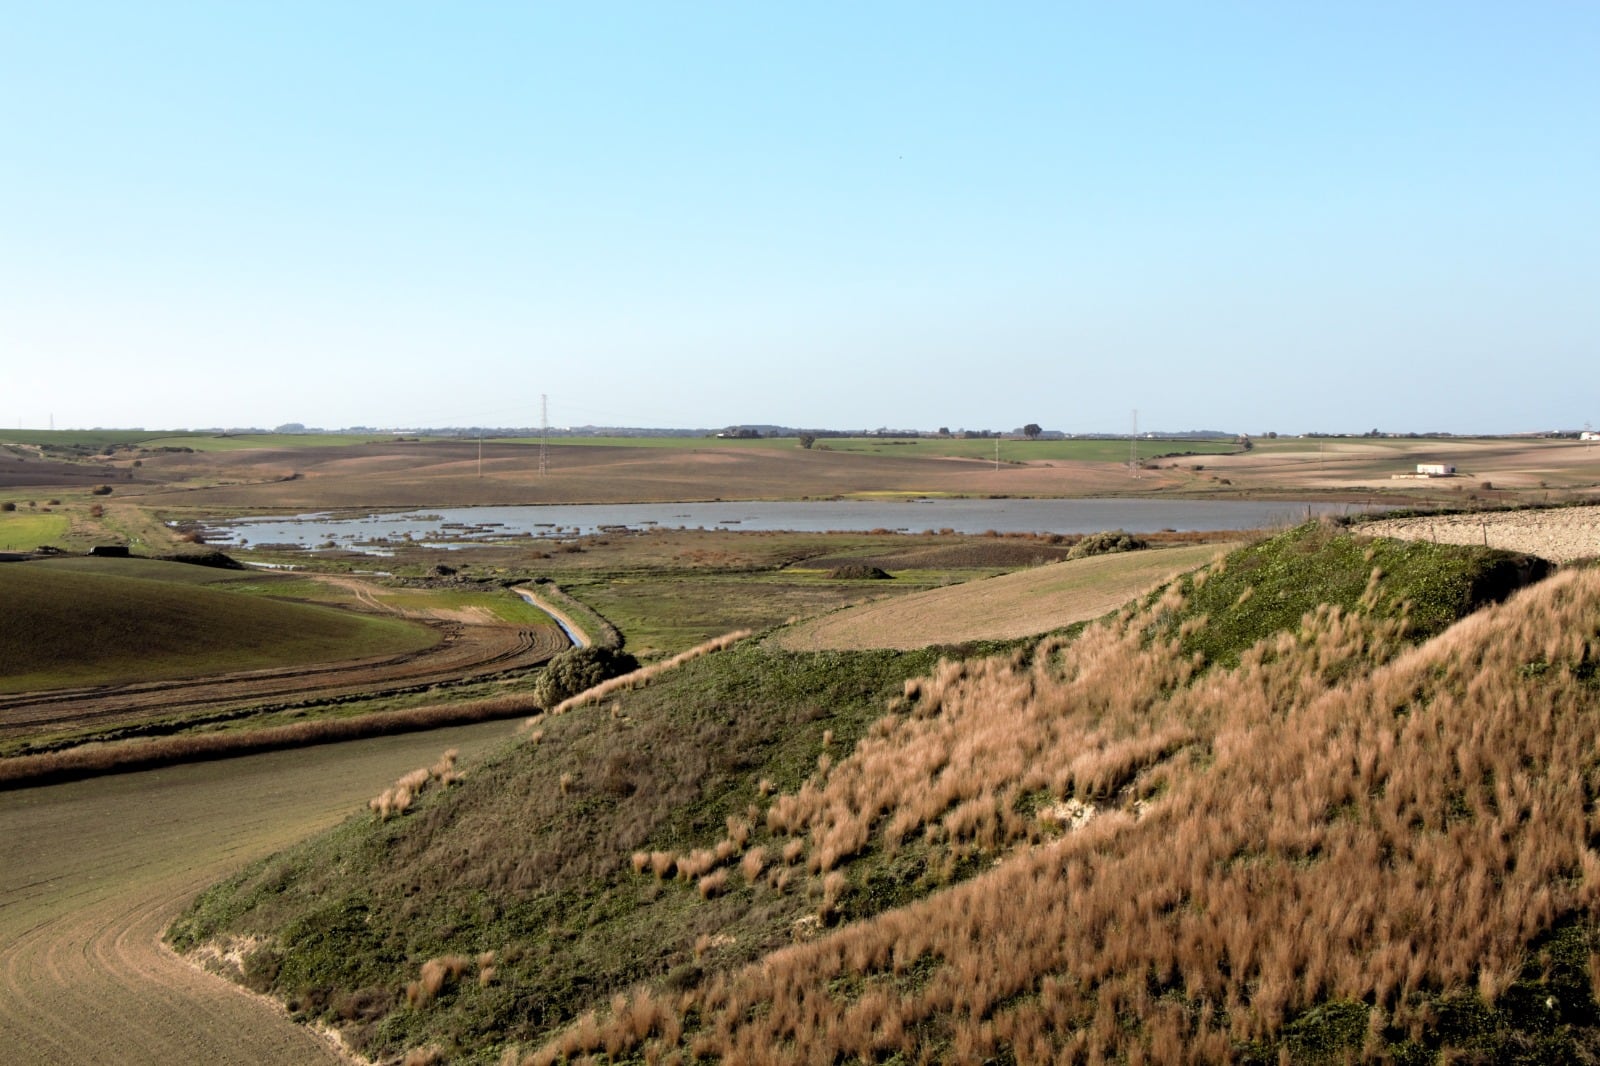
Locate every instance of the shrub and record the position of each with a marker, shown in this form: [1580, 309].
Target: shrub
[8, 506]
[858, 572]
[578, 669]
[1105, 544]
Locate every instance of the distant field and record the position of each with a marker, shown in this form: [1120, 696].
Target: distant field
[246, 441]
[1012, 605]
[22, 531]
[757, 443]
[1012, 450]
[1022, 451]
[65, 627]
[93, 438]
[1488, 469]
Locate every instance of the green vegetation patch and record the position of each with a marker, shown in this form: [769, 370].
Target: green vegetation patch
[67, 627]
[21, 531]
[529, 857]
[1267, 587]
[96, 439]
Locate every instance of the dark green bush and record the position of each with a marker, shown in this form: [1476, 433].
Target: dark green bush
[858, 572]
[1105, 543]
[573, 671]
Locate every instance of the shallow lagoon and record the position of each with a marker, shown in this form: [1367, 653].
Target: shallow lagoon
[464, 526]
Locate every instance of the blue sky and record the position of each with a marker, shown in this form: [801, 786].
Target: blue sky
[1242, 216]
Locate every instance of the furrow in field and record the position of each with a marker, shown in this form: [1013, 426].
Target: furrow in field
[94, 871]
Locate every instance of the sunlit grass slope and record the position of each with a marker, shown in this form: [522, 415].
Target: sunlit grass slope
[1152, 840]
[62, 627]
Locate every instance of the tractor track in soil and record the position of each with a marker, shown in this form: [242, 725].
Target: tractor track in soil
[96, 870]
[466, 653]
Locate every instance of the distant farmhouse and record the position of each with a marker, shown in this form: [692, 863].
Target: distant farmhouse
[1429, 470]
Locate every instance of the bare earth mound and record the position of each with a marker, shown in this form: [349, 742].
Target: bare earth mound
[1013, 605]
[1560, 535]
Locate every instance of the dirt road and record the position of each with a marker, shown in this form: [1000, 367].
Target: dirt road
[92, 872]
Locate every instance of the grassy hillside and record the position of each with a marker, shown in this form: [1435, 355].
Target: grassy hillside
[70, 626]
[1187, 834]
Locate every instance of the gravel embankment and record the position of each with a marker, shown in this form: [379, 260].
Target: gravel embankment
[1560, 534]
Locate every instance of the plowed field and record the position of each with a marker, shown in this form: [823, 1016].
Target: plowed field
[1012, 605]
[467, 651]
[91, 872]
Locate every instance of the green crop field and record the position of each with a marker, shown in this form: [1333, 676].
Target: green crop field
[65, 627]
[82, 438]
[21, 532]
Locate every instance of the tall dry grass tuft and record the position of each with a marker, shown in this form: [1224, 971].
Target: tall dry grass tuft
[397, 798]
[435, 975]
[1336, 818]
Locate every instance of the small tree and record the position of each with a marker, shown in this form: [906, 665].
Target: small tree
[807, 439]
[1032, 430]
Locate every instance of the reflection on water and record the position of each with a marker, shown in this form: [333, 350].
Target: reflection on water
[379, 534]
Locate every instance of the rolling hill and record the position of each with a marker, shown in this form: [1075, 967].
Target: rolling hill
[71, 626]
[1321, 800]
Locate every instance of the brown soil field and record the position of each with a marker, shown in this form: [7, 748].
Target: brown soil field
[1560, 534]
[1011, 605]
[95, 870]
[29, 471]
[1524, 467]
[444, 474]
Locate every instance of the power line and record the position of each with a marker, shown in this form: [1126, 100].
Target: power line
[544, 434]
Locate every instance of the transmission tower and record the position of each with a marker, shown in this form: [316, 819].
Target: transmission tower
[544, 434]
[1133, 446]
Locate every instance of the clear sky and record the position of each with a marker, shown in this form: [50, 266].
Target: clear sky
[1262, 216]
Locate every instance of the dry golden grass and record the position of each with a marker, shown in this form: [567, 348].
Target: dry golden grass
[1336, 818]
[999, 608]
[397, 798]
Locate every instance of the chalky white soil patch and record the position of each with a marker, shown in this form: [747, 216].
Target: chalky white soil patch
[1559, 534]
